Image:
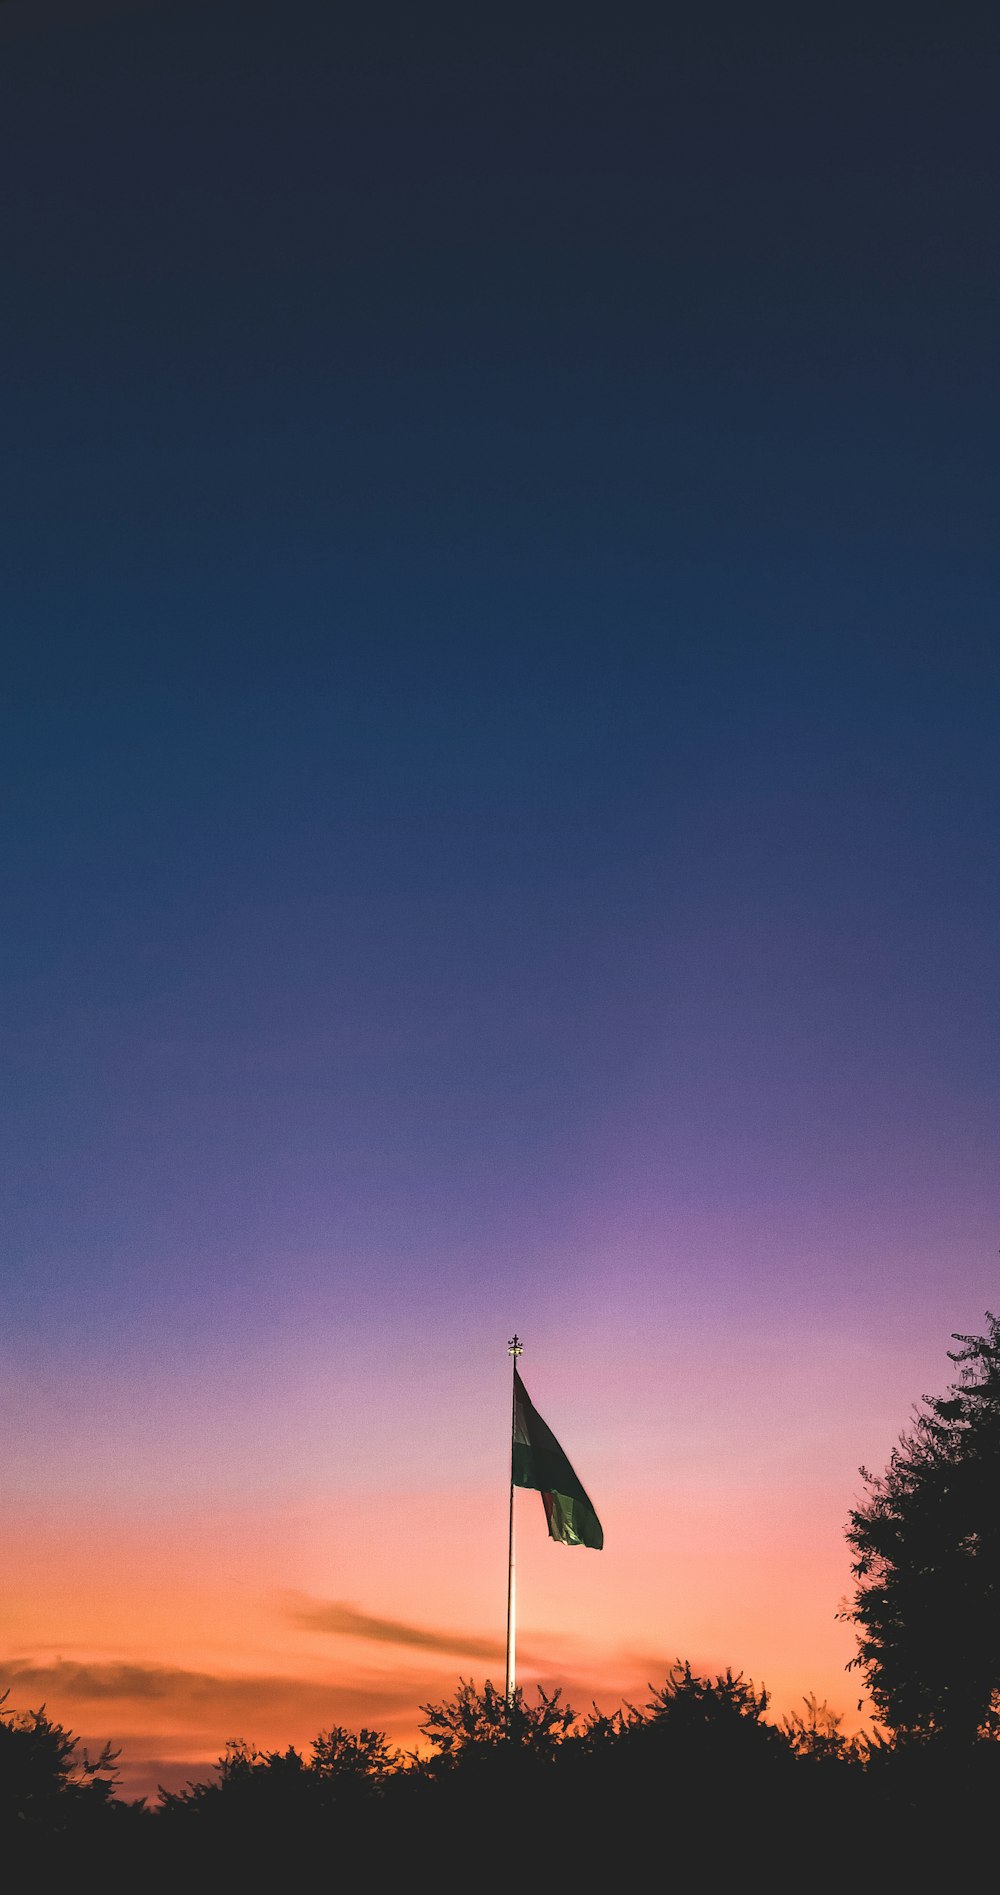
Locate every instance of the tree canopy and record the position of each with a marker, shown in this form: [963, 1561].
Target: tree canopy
[45, 1781]
[926, 1542]
[475, 1722]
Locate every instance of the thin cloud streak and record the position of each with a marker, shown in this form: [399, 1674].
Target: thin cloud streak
[332, 1615]
[179, 1689]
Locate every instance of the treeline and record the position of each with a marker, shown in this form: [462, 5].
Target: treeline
[697, 1780]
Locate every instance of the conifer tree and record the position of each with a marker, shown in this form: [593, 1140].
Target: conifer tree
[927, 1561]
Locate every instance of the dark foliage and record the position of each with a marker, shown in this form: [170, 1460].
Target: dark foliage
[262, 1808]
[346, 1769]
[927, 1561]
[44, 1783]
[815, 1734]
[724, 1715]
[476, 1722]
[698, 1774]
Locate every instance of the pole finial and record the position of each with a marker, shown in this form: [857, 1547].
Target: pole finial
[514, 1345]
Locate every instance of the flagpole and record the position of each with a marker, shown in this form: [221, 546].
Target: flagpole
[513, 1350]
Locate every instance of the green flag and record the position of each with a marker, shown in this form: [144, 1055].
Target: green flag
[540, 1462]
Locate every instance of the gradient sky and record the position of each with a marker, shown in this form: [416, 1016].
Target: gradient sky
[500, 815]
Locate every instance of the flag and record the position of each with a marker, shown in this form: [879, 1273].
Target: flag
[539, 1461]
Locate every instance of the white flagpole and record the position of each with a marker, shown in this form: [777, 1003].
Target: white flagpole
[514, 1350]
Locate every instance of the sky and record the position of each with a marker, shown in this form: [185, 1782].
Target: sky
[499, 831]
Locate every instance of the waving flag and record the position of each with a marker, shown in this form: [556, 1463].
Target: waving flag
[538, 1461]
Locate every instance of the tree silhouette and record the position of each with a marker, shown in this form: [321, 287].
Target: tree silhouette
[702, 1723]
[44, 1782]
[927, 1559]
[816, 1734]
[249, 1786]
[345, 1769]
[690, 1702]
[476, 1722]
[357, 1757]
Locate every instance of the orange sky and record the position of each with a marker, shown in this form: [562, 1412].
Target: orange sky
[174, 1637]
[268, 1539]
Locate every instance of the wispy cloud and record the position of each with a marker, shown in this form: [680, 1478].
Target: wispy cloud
[178, 1692]
[333, 1615]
